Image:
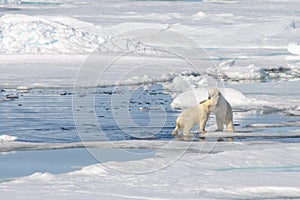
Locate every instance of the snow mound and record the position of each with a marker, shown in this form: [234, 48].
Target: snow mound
[55, 35]
[294, 48]
[38, 176]
[92, 170]
[28, 34]
[7, 138]
[193, 97]
[199, 15]
[186, 80]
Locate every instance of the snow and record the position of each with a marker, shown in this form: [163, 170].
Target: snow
[40, 176]
[294, 48]
[230, 170]
[40, 34]
[26, 34]
[248, 49]
[7, 138]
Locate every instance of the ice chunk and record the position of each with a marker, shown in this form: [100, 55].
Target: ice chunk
[250, 72]
[294, 48]
[7, 138]
[193, 97]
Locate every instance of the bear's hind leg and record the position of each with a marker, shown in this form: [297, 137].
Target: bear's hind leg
[187, 128]
[220, 123]
[229, 125]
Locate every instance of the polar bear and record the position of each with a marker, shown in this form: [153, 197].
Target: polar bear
[222, 109]
[199, 114]
[192, 116]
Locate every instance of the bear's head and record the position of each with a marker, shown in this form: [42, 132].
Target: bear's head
[212, 92]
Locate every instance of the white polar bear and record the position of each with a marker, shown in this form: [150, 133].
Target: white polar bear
[192, 116]
[199, 114]
[222, 109]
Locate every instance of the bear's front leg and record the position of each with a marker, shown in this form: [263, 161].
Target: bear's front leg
[202, 123]
[229, 120]
[177, 128]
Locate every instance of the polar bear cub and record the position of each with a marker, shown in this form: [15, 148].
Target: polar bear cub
[192, 116]
[222, 109]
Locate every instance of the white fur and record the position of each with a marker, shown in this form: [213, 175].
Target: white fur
[199, 114]
[192, 116]
[222, 109]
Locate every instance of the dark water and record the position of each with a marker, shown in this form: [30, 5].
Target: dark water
[46, 115]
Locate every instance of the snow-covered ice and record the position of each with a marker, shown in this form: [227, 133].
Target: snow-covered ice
[228, 170]
[76, 66]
